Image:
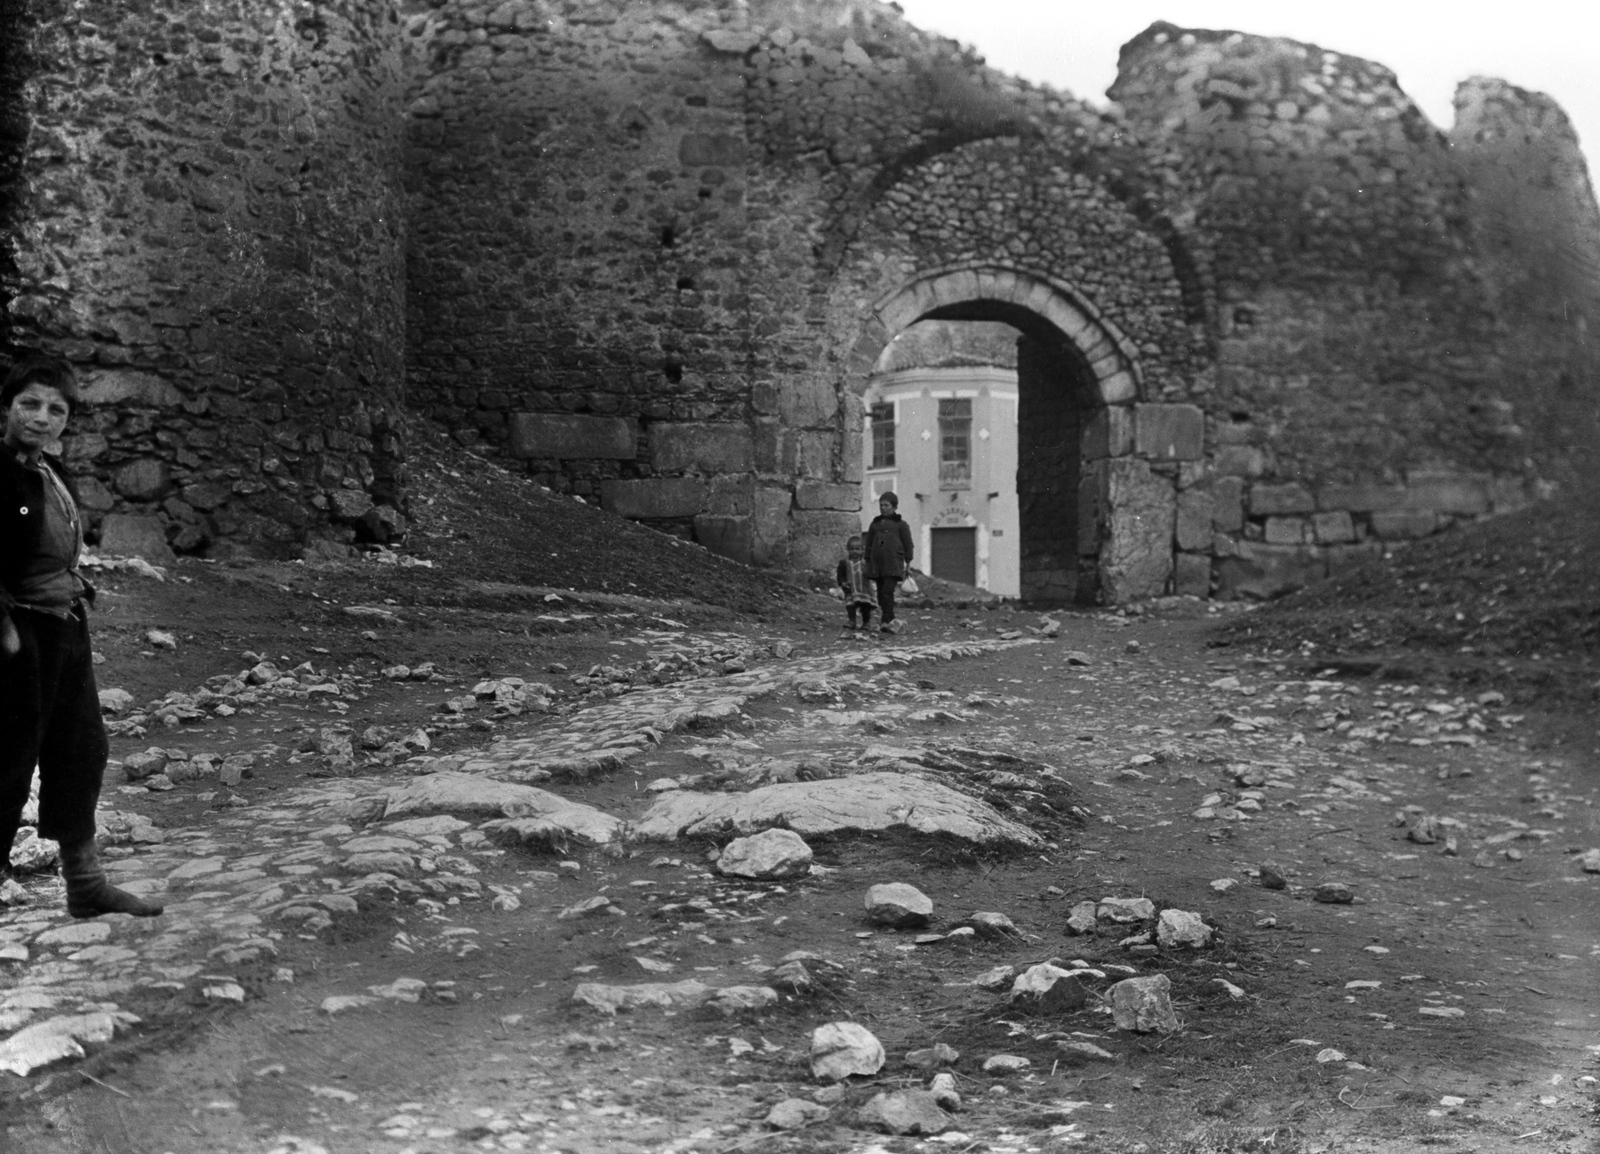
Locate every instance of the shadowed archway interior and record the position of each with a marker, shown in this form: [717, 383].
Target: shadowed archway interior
[1055, 391]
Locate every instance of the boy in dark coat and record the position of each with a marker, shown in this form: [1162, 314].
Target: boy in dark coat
[854, 583]
[888, 556]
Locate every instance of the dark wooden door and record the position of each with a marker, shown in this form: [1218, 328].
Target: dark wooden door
[955, 555]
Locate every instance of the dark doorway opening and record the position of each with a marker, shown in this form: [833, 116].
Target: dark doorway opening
[1055, 396]
[954, 554]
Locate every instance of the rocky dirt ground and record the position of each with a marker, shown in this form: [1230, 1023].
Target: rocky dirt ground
[448, 841]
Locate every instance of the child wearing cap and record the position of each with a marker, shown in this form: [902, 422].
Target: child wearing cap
[888, 549]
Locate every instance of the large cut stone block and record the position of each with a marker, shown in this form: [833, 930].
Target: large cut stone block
[1227, 504]
[701, 448]
[729, 537]
[1108, 433]
[655, 497]
[1360, 498]
[1275, 500]
[731, 496]
[1285, 530]
[1467, 496]
[1169, 432]
[1196, 510]
[808, 403]
[1136, 558]
[769, 514]
[124, 535]
[1240, 461]
[1261, 571]
[570, 437]
[1335, 528]
[1191, 575]
[807, 454]
[1400, 524]
[825, 495]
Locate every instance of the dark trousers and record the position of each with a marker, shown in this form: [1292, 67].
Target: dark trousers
[862, 608]
[50, 717]
[886, 587]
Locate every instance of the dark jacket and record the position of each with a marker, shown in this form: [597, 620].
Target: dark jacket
[888, 546]
[22, 520]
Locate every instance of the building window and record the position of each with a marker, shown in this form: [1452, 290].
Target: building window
[955, 444]
[883, 436]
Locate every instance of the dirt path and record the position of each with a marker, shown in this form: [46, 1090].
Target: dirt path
[1474, 953]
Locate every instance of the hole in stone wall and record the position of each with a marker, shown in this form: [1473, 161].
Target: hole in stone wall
[1244, 315]
[685, 283]
[673, 371]
[695, 101]
[669, 236]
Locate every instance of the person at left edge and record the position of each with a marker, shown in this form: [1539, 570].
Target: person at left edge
[49, 705]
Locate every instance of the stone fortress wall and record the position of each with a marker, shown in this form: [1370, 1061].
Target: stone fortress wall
[1270, 316]
[206, 217]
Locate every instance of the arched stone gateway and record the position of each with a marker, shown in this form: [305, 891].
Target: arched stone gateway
[1097, 522]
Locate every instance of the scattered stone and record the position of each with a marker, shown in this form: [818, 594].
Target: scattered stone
[1329, 1054]
[996, 979]
[828, 1095]
[1225, 885]
[1082, 919]
[1421, 827]
[842, 1049]
[524, 815]
[772, 853]
[731, 1000]
[1003, 1064]
[1126, 910]
[1233, 991]
[1075, 657]
[1442, 1011]
[138, 766]
[1589, 860]
[867, 802]
[160, 639]
[1334, 894]
[936, 1055]
[795, 1113]
[668, 995]
[993, 925]
[588, 908]
[63, 1036]
[1182, 928]
[898, 905]
[1143, 1004]
[115, 701]
[905, 1112]
[1084, 1052]
[1047, 989]
[943, 1089]
[1271, 877]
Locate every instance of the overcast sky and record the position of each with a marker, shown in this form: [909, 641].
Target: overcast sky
[1551, 46]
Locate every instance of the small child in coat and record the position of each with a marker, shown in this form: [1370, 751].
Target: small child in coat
[860, 592]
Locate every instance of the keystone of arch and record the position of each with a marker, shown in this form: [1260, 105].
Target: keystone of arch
[1111, 357]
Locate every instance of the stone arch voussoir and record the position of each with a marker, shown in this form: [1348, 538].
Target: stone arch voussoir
[1112, 359]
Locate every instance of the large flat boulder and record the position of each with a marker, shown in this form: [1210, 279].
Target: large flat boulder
[532, 814]
[869, 801]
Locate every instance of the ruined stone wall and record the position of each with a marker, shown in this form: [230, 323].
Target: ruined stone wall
[206, 221]
[644, 240]
[1364, 389]
[645, 251]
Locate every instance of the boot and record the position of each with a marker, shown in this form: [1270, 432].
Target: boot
[9, 824]
[88, 893]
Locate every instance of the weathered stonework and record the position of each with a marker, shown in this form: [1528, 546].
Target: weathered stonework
[205, 216]
[649, 253]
